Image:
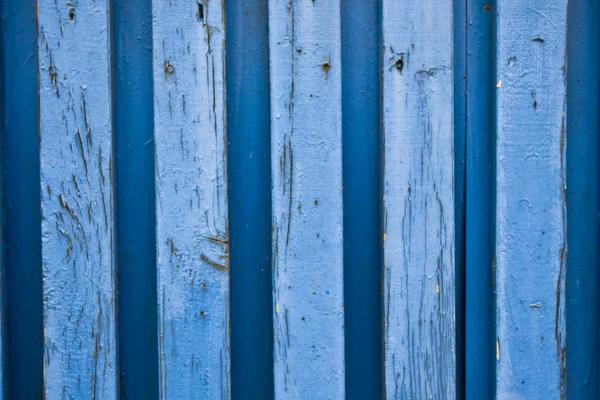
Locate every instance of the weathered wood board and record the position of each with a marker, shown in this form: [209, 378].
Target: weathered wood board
[306, 158]
[531, 209]
[77, 200]
[418, 201]
[191, 199]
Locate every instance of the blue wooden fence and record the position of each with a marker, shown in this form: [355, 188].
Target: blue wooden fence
[299, 199]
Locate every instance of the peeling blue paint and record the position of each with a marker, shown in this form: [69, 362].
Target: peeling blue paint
[76, 179]
[310, 199]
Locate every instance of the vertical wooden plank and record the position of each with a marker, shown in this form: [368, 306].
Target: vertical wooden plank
[583, 200]
[480, 181]
[77, 200]
[191, 198]
[22, 211]
[307, 198]
[460, 193]
[135, 200]
[3, 268]
[249, 194]
[3, 321]
[530, 210]
[361, 127]
[418, 199]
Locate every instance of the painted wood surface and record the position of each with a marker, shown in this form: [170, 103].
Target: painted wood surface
[418, 200]
[306, 158]
[583, 200]
[361, 132]
[21, 199]
[77, 200]
[530, 210]
[135, 213]
[3, 320]
[479, 229]
[191, 199]
[249, 195]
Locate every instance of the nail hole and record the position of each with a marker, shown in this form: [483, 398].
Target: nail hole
[400, 65]
[169, 69]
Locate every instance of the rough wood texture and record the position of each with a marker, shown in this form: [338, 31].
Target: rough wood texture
[191, 199]
[418, 200]
[307, 198]
[77, 200]
[530, 248]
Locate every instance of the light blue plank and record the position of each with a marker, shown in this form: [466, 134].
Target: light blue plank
[530, 209]
[77, 200]
[191, 199]
[307, 198]
[418, 200]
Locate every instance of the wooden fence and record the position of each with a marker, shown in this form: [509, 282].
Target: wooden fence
[300, 199]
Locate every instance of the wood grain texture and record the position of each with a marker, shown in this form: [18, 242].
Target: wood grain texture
[418, 200]
[191, 199]
[307, 198]
[530, 248]
[77, 200]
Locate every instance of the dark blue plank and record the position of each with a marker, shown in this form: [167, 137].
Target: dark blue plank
[249, 168]
[20, 131]
[583, 200]
[3, 345]
[362, 197]
[460, 131]
[135, 210]
[480, 204]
